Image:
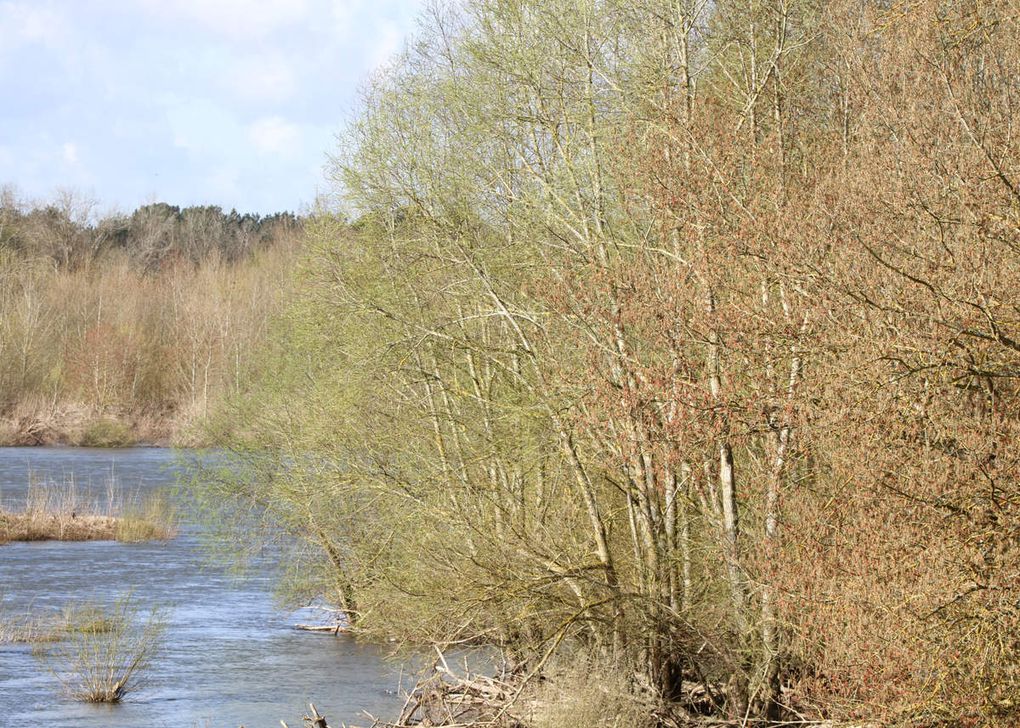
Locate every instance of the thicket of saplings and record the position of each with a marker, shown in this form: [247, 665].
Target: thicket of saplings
[120, 328]
[680, 338]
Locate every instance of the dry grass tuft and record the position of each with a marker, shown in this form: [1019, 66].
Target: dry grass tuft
[44, 629]
[86, 618]
[35, 526]
[29, 630]
[589, 694]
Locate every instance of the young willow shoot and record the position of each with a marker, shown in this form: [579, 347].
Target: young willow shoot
[105, 657]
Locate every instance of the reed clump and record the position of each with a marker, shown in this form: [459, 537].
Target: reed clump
[150, 518]
[43, 629]
[106, 651]
[86, 618]
[29, 629]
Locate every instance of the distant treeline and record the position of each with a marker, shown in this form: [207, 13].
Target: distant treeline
[68, 231]
[123, 328]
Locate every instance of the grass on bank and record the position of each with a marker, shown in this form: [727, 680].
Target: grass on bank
[592, 693]
[107, 432]
[60, 513]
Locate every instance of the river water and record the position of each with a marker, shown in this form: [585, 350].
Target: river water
[231, 657]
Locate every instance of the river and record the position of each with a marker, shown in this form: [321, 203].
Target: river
[231, 656]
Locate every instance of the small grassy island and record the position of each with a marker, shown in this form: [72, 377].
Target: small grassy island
[57, 513]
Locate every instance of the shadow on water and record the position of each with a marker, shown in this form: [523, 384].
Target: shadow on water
[231, 657]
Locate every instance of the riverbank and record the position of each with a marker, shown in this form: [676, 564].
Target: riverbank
[81, 426]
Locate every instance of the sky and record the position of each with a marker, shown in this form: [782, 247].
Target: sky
[226, 102]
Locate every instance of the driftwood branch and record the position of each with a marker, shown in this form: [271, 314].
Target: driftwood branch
[315, 720]
[443, 698]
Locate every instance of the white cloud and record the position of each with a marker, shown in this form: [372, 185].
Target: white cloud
[223, 183]
[346, 14]
[262, 78]
[362, 19]
[70, 151]
[27, 23]
[237, 18]
[374, 30]
[201, 126]
[229, 101]
[274, 135]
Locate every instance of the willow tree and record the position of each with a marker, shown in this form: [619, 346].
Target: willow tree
[596, 362]
[533, 355]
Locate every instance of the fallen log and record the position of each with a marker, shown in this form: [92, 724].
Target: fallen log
[324, 628]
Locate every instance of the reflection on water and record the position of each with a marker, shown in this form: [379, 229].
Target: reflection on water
[231, 658]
